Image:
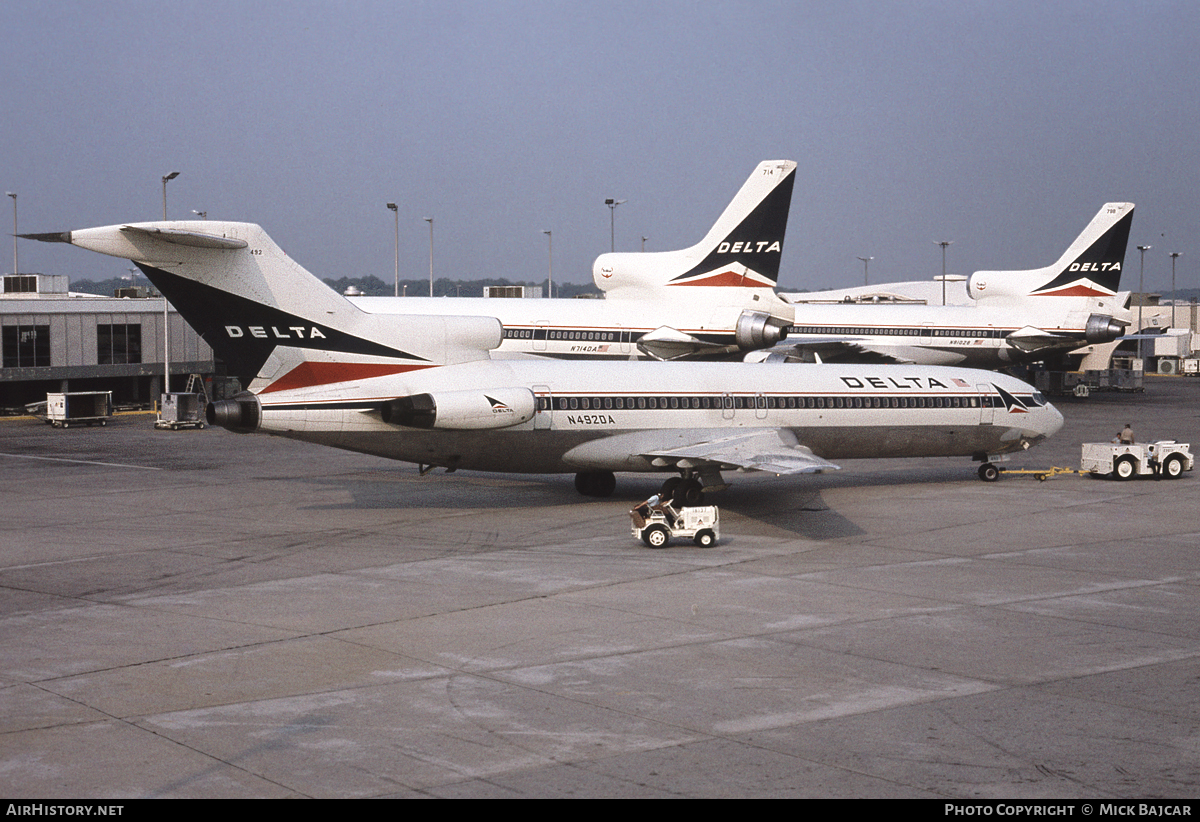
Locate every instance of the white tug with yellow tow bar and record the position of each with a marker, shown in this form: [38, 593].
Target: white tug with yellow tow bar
[1163, 459]
[656, 521]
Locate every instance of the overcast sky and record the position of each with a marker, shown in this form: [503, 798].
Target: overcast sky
[1002, 126]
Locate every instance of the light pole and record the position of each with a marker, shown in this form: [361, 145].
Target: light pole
[166, 316]
[943, 244]
[865, 261]
[14, 196]
[612, 221]
[550, 269]
[1141, 293]
[430, 221]
[1174, 256]
[644, 244]
[396, 212]
[165, 180]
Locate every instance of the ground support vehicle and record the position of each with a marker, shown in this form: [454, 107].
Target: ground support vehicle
[181, 411]
[655, 523]
[1165, 458]
[78, 408]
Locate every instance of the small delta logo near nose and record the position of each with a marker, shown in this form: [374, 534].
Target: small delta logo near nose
[261, 332]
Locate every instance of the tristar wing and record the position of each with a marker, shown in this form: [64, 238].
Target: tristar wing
[773, 450]
[829, 350]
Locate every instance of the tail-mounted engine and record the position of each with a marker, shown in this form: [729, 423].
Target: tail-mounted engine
[240, 414]
[757, 329]
[462, 410]
[1101, 328]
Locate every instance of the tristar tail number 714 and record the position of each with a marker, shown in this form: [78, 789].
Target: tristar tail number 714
[425, 390]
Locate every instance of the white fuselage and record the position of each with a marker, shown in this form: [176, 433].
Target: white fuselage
[601, 328]
[975, 335]
[608, 416]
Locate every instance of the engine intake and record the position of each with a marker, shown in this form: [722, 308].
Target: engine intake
[1102, 328]
[462, 410]
[757, 329]
[240, 414]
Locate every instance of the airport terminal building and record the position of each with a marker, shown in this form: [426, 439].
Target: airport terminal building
[54, 340]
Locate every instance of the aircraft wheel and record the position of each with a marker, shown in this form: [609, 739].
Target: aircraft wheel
[669, 486]
[705, 538]
[596, 483]
[1173, 467]
[989, 472]
[656, 536]
[1125, 468]
[688, 493]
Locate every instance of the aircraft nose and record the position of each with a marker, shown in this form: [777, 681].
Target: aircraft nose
[1051, 421]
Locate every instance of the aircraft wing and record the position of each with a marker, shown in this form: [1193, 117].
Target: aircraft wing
[775, 450]
[667, 343]
[1030, 339]
[824, 349]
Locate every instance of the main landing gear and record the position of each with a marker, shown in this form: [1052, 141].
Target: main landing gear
[596, 483]
[682, 492]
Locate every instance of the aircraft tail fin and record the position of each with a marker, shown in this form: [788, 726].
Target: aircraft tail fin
[741, 250]
[250, 302]
[1090, 267]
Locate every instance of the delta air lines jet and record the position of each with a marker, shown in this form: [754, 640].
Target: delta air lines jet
[1017, 316]
[425, 390]
[714, 300]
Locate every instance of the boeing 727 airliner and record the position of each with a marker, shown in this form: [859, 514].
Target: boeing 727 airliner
[425, 390]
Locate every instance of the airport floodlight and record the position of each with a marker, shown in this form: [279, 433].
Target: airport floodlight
[1141, 292]
[203, 215]
[612, 230]
[943, 244]
[396, 212]
[167, 178]
[1174, 256]
[430, 221]
[550, 269]
[865, 261]
[14, 196]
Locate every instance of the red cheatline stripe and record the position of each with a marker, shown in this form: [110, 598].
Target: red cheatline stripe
[1074, 291]
[309, 374]
[726, 278]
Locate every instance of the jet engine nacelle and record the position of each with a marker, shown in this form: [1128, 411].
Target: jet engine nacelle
[462, 410]
[757, 329]
[240, 414]
[1102, 328]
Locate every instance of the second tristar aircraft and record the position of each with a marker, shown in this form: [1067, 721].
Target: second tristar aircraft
[713, 300]
[424, 389]
[1017, 316]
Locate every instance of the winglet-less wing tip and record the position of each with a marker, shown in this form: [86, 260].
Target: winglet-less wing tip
[51, 237]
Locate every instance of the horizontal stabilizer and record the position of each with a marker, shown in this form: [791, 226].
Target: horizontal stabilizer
[194, 239]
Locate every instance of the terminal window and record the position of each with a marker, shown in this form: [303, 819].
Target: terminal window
[26, 346]
[118, 344]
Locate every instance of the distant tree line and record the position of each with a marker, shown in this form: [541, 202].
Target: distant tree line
[372, 286]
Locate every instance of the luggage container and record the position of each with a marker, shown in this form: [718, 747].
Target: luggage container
[78, 408]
